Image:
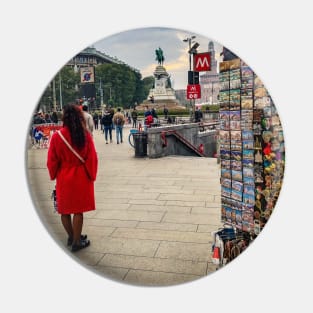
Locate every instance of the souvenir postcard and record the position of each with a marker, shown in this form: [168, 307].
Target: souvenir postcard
[247, 208]
[258, 142]
[234, 79]
[249, 181]
[258, 158]
[228, 214]
[224, 80]
[260, 92]
[257, 128]
[247, 82]
[236, 146]
[246, 72]
[236, 175]
[225, 154]
[262, 102]
[224, 66]
[236, 165]
[226, 192]
[246, 103]
[248, 144]
[236, 205]
[225, 173]
[248, 154]
[238, 219]
[235, 125]
[247, 220]
[257, 115]
[234, 115]
[224, 115]
[247, 172]
[224, 124]
[258, 173]
[235, 135]
[235, 63]
[247, 163]
[249, 190]
[247, 135]
[224, 135]
[234, 99]
[226, 201]
[237, 186]
[225, 145]
[235, 155]
[224, 106]
[223, 213]
[225, 164]
[226, 182]
[257, 82]
[234, 83]
[224, 120]
[233, 216]
[224, 96]
[234, 74]
[248, 199]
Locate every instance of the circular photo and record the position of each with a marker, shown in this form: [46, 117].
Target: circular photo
[155, 156]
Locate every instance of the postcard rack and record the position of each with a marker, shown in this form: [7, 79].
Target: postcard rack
[251, 148]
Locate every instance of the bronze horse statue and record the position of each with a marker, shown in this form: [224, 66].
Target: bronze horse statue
[159, 56]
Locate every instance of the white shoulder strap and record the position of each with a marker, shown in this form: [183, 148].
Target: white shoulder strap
[70, 147]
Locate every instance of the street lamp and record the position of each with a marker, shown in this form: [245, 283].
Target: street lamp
[192, 50]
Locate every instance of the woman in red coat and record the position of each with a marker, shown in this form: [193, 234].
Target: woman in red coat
[74, 177]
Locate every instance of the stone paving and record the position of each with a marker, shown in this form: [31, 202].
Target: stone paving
[153, 219]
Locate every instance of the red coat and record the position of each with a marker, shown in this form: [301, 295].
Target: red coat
[74, 179]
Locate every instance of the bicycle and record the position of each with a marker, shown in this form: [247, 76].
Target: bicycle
[131, 138]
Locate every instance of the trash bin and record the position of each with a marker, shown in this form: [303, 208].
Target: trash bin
[140, 143]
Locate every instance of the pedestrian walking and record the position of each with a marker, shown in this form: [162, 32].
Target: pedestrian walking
[96, 120]
[198, 115]
[119, 121]
[72, 161]
[134, 115]
[88, 119]
[106, 121]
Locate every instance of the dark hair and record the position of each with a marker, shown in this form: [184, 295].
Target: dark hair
[85, 107]
[73, 119]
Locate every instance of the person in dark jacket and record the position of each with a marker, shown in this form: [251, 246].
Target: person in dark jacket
[106, 122]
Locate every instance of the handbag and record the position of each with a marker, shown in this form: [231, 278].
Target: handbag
[54, 198]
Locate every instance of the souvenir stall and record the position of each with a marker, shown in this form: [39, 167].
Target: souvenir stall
[252, 159]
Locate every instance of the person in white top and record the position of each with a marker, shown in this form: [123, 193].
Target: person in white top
[88, 119]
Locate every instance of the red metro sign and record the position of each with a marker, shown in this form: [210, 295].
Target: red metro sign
[193, 92]
[202, 62]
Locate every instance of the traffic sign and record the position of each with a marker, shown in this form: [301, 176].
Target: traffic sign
[202, 61]
[193, 92]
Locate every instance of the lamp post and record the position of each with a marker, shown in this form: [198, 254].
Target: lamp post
[192, 50]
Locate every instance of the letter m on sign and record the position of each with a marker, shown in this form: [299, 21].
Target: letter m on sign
[202, 62]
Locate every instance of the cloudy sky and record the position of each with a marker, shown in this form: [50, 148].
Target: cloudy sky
[137, 48]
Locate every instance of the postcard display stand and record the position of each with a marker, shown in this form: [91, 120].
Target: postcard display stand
[251, 149]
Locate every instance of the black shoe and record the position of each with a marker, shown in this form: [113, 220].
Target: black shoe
[70, 240]
[82, 244]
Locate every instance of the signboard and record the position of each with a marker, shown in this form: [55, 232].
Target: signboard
[193, 92]
[202, 62]
[87, 75]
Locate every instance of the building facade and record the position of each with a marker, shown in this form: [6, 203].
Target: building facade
[209, 81]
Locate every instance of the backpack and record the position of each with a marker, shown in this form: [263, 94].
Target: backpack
[118, 120]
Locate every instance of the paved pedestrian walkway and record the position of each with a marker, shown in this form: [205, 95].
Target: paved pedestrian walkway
[154, 217]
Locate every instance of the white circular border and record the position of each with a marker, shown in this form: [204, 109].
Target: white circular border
[36, 274]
